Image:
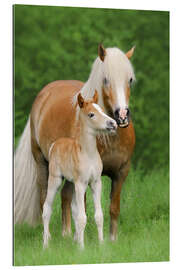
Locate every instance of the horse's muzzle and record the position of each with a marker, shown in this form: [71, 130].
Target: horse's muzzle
[122, 119]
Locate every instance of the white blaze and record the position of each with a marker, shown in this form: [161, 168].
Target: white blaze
[121, 98]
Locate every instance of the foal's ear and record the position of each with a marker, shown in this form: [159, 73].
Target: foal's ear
[95, 97]
[130, 53]
[80, 100]
[101, 52]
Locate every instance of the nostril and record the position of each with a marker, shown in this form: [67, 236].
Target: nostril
[116, 113]
[124, 113]
[111, 125]
[114, 125]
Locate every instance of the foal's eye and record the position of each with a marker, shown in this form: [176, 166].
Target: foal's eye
[91, 115]
[105, 81]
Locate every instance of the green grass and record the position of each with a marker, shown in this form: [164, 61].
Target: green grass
[143, 234]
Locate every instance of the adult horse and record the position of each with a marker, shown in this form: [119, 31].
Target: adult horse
[53, 116]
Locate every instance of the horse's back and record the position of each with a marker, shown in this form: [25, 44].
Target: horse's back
[52, 114]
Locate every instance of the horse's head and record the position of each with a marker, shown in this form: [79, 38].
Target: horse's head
[117, 77]
[94, 116]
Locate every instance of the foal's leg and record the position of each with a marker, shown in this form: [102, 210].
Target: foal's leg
[116, 186]
[96, 187]
[74, 213]
[53, 184]
[66, 198]
[81, 218]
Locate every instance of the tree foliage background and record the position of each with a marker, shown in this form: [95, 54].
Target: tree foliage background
[59, 43]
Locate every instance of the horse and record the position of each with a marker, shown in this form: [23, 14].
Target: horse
[78, 160]
[53, 116]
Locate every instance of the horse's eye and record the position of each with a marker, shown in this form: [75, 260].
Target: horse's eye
[91, 115]
[130, 81]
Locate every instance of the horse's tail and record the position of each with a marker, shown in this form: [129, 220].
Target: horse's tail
[26, 191]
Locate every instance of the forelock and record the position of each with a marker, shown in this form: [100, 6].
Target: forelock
[116, 65]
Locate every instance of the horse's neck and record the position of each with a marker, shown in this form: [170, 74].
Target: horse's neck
[87, 139]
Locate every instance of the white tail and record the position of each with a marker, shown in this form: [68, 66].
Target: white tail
[26, 191]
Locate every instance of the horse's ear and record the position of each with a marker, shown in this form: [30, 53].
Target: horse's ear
[101, 52]
[80, 100]
[95, 97]
[130, 53]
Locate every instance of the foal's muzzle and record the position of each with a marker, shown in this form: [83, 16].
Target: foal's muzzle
[111, 126]
[122, 119]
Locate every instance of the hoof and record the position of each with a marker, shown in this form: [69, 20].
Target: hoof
[113, 237]
[66, 233]
[75, 237]
[46, 239]
[101, 241]
[45, 245]
[81, 246]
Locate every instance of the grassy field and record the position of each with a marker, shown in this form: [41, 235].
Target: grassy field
[143, 228]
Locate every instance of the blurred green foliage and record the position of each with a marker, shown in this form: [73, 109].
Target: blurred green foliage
[54, 43]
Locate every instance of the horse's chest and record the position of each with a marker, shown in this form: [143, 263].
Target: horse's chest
[113, 159]
[113, 155]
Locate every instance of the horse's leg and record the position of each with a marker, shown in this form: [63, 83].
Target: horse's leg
[53, 184]
[42, 178]
[96, 187]
[42, 172]
[66, 198]
[116, 186]
[81, 218]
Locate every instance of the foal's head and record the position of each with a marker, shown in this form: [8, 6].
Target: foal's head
[94, 116]
[117, 78]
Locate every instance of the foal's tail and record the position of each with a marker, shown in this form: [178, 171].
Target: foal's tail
[26, 191]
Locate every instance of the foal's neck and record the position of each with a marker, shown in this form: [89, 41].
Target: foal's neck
[87, 139]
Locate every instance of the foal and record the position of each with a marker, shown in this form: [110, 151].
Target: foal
[78, 160]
